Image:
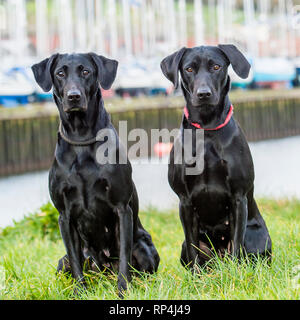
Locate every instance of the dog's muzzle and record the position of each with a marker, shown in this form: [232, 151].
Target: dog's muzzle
[74, 101]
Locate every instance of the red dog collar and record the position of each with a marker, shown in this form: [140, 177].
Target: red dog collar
[197, 125]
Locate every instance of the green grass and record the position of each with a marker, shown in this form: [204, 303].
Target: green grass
[29, 252]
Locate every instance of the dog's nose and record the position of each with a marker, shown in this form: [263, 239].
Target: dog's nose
[73, 95]
[203, 93]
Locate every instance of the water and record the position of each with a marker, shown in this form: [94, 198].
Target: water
[277, 175]
[22, 194]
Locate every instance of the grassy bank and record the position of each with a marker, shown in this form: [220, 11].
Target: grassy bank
[29, 252]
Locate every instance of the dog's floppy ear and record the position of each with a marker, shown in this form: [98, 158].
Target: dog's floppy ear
[106, 69]
[170, 66]
[238, 61]
[42, 72]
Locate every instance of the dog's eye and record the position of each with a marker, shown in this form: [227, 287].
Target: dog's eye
[85, 72]
[217, 67]
[189, 69]
[60, 74]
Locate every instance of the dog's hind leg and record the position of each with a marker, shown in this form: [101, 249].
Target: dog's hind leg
[64, 265]
[257, 238]
[145, 257]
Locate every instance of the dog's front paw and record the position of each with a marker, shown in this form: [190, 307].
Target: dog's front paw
[80, 287]
[122, 284]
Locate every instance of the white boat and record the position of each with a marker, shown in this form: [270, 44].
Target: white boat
[141, 76]
[15, 89]
[270, 70]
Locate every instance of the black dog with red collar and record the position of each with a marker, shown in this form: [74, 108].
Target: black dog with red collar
[217, 208]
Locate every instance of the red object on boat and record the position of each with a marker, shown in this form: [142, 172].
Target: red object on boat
[162, 149]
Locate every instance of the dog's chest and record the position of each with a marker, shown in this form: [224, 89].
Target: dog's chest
[73, 182]
[215, 175]
[210, 191]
